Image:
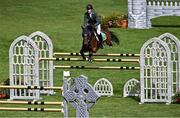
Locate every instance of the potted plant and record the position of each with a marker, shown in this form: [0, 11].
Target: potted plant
[2, 95]
[176, 97]
[113, 20]
[124, 22]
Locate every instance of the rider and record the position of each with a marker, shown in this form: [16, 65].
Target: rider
[90, 18]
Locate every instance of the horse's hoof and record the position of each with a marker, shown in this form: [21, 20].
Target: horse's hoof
[87, 59]
[111, 47]
[90, 60]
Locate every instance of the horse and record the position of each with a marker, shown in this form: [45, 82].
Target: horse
[90, 42]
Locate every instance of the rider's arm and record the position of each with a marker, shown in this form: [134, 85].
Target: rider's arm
[85, 20]
[98, 21]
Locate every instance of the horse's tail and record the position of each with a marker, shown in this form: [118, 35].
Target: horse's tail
[114, 38]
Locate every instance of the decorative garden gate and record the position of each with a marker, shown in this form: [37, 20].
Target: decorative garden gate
[174, 46]
[45, 46]
[24, 67]
[155, 76]
[103, 87]
[131, 88]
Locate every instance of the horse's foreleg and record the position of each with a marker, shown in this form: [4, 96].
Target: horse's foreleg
[82, 54]
[90, 56]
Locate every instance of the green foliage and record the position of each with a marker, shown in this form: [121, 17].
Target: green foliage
[176, 97]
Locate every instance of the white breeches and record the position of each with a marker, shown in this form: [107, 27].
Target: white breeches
[99, 29]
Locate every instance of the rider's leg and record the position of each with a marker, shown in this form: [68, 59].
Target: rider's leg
[99, 29]
[99, 35]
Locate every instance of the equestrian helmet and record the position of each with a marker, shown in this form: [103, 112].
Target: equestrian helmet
[89, 6]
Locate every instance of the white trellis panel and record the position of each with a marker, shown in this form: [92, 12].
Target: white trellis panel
[23, 68]
[174, 46]
[103, 87]
[155, 72]
[45, 46]
[131, 88]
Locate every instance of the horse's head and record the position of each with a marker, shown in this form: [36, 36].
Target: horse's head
[89, 38]
[86, 34]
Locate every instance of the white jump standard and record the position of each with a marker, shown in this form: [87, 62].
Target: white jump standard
[174, 46]
[23, 57]
[155, 72]
[103, 87]
[45, 46]
[131, 88]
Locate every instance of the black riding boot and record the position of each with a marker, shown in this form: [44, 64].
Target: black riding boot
[101, 41]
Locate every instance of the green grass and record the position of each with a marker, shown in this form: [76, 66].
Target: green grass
[61, 21]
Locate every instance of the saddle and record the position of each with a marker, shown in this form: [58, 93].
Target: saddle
[103, 36]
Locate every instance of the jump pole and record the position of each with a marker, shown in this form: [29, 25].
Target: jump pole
[31, 109]
[95, 60]
[97, 54]
[32, 102]
[97, 67]
[31, 87]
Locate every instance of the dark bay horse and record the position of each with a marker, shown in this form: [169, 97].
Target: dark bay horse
[91, 44]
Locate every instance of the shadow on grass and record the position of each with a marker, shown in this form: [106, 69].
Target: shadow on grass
[169, 26]
[135, 98]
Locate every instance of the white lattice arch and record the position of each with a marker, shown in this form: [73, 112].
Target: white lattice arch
[103, 87]
[131, 88]
[155, 72]
[24, 68]
[45, 46]
[174, 46]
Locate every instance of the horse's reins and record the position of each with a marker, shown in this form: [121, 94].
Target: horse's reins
[96, 36]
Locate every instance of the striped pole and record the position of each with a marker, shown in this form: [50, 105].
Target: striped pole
[97, 67]
[31, 87]
[31, 109]
[96, 60]
[32, 102]
[97, 54]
